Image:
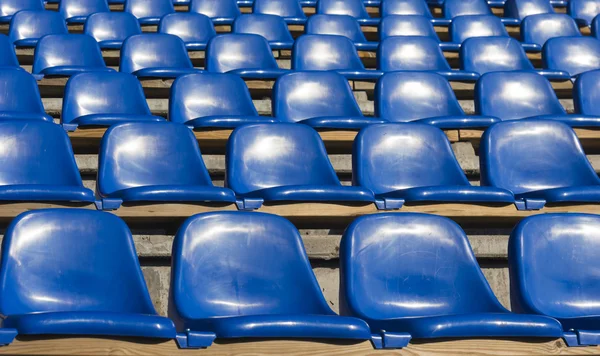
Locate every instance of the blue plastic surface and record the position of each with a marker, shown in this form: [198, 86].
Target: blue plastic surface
[290, 10]
[284, 162]
[540, 28]
[271, 27]
[269, 292]
[154, 162]
[408, 25]
[82, 277]
[354, 8]
[246, 55]
[77, 11]
[470, 26]
[405, 7]
[221, 12]
[574, 55]
[27, 27]
[552, 262]
[519, 9]
[416, 273]
[20, 97]
[586, 93]
[8, 57]
[540, 161]
[10, 7]
[66, 55]
[323, 100]
[596, 27]
[583, 11]
[110, 29]
[104, 99]
[454, 8]
[194, 29]
[340, 25]
[212, 100]
[155, 55]
[414, 163]
[423, 96]
[149, 12]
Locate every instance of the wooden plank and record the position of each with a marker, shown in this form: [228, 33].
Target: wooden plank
[589, 138]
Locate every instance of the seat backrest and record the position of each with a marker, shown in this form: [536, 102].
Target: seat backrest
[189, 26]
[283, 8]
[20, 92]
[325, 52]
[340, 25]
[153, 50]
[493, 54]
[11, 7]
[553, 263]
[406, 25]
[112, 26]
[209, 94]
[540, 28]
[35, 24]
[149, 8]
[596, 27]
[404, 265]
[354, 8]
[583, 9]
[535, 154]
[82, 260]
[8, 57]
[239, 51]
[515, 95]
[254, 263]
[453, 8]
[520, 9]
[103, 93]
[586, 93]
[67, 50]
[215, 8]
[271, 27]
[572, 54]
[411, 53]
[271, 155]
[407, 96]
[468, 26]
[303, 95]
[404, 7]
[73, 8]
[390, 157]
[149, 153]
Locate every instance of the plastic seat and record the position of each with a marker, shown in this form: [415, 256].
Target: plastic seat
[583, 11]
[194, 29]
[586, 93]
[83, 277]
[409, 7]
[27, 27]
[246, 55]
[290, 10]
[330, 52]
[271, 27]
[519, 9]
[552, 262]
[271, 266]
[454, 8]
[284, 162]
[104, 99]
[596, 27]
[8, 57]
[340, 25]
[494, 54]
[409, 25]
[155, 55]
[110, 29]
[469, 26]
[77, 11]
[20, 97]
[149, 12]
[540, 161]
[153, 162]
[572, 54]
[221, 12]
[66, 55]
[425, 97]
[10, 7]
[224, 102]
[538, 29]
[417, 53]
[353, 8]
[414, 276]
[322, 100]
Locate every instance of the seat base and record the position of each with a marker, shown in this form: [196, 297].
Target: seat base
[108, 120]
[167, 72]
[538, 199]
[228, 122]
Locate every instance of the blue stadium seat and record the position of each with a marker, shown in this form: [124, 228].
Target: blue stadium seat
[354, 8]
[454, 8]
[10, 7]
[194, 29]
[469, 26]
[284, 162]
[66, 55]
[417, 53]
[20, 97]
[572, 54]
[246, 55]
[271, 27]
[322, 100]
[330, 52]
[290, 10]
[586, 93]
[409, 7]
[27, 27]
[110, 29]
[104, 99]
[409, 25]
[149, 12]
[153, 162]
[340, 25]
[77, 11]
[271, 266]
[540, 161]
[414, 276]
[8, 57]
[583, 11]
[414, 163]
[425, 97]
[83, 277]
[553, 259]
[539, 28]
[155, 55]
[212, 100]
[494, 54]
[221, 12]
[519, 9]
[596, 27]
